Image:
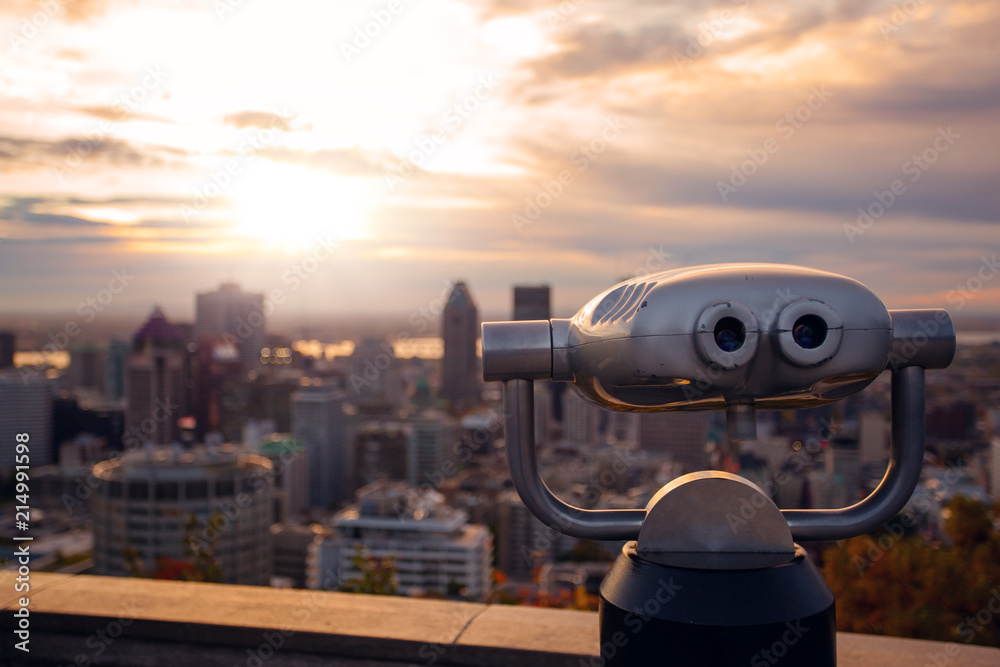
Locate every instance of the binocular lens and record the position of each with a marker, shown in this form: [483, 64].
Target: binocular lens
[809, 332]
[730, 334]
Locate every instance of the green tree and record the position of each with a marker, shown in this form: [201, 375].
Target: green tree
[377, 575]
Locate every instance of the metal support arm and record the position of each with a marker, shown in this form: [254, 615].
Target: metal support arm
[519, 433]
[905, 462]
[906, 458]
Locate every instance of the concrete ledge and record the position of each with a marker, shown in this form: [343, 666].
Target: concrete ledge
[84, 620]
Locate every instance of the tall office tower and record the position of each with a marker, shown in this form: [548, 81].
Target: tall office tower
[375, 375]
[86, 368]
[531, 303]
[680, 435]
[435, 548]
[156, 383]
[147, 496]
[319, 422]
[238, 314]
[843, 464]
[581, 420]
[115, 369]
[434, 438]
[290, 467]
[25, 407]
[382, 450]
[460, 329]
[7, 347]
[220, 377]
[873, 437]
[524, 542]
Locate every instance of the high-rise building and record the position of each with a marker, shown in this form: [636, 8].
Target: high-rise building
[237, 314]
[220, 379]
[147, 497]
[434, 435]
[460, 330]
[319, 422]
[86, 368]
[375, 376]
[680, 435]
[25, 407]
[156, 383]
[580, 419]
[8, 343]
[531, 303]
[843, 464]
[382, 450]
[290, 470]
[523, 542]
[434, 547]
[115, 369]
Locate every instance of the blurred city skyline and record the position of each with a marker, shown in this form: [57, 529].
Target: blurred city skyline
[359, 157]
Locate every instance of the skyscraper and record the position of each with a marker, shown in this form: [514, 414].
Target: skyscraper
[25, 407]
[531, 303]
[7, 344]
[319, 422]
[231, 311]
[375, 377]
[156, 383]
[460, 329]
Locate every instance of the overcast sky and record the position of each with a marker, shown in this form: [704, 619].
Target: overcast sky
[355, 156]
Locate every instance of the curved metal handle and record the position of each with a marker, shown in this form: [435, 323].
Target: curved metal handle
[906, 458]
[519, 434]
[905, 461]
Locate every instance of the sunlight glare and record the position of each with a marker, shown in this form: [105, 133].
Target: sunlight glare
[291, 205]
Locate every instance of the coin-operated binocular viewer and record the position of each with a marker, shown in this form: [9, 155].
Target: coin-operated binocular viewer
[692, 586]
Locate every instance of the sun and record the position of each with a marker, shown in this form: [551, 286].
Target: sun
[291, 206]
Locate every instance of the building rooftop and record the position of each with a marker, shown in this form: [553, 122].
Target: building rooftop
[118, 621]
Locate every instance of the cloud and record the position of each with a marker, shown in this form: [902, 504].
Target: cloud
[118, 114]
[348, 161]
[17, 153]
[264, 120]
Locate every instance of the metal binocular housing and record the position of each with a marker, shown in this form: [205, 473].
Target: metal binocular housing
[733, 337]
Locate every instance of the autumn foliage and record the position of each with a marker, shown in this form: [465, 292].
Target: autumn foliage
[896, 583]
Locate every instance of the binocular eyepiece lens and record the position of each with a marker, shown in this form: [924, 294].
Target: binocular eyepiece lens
[730, 334]
[809, 331]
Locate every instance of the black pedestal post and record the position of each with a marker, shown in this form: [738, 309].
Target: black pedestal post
[652, 614]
